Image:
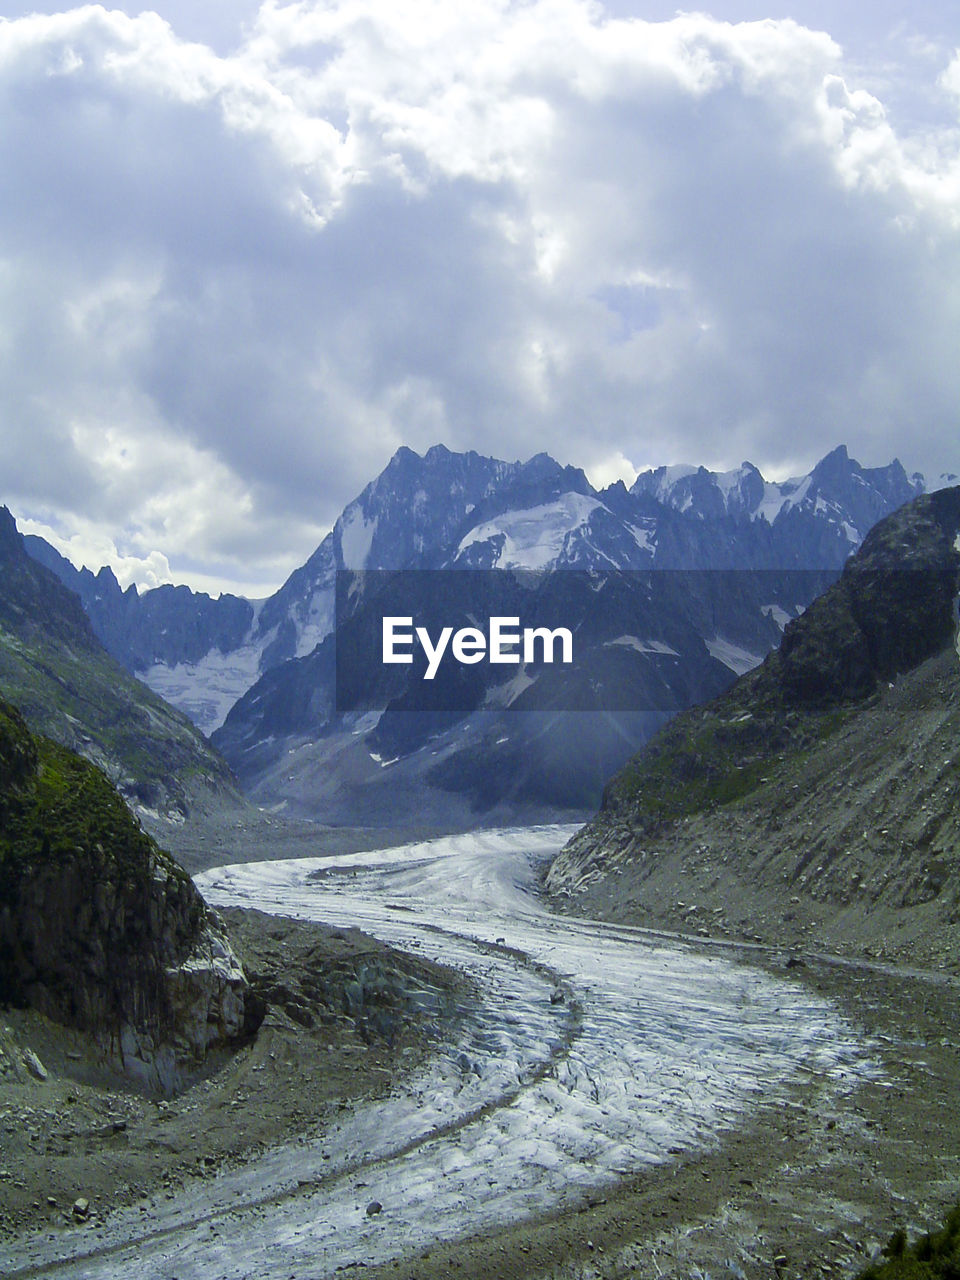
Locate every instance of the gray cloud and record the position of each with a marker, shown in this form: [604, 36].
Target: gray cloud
[235, 275]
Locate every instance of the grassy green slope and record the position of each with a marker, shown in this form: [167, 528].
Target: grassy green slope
[100, 929]
[935, 1256]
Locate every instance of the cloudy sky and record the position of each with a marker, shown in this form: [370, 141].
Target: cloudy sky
[247, 250]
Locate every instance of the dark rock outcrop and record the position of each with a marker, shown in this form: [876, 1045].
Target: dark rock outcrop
[99, 928]
[891, 609]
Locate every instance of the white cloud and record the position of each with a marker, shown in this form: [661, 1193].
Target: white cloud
[87, 547]
[608, 470]
[235, 275]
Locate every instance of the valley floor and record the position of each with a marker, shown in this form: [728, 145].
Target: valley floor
[809, 1188]
[78, 1135]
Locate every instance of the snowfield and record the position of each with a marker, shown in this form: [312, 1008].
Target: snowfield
[596, 1051]
[536, 537]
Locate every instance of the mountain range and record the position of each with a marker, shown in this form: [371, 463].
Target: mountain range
[262, 677]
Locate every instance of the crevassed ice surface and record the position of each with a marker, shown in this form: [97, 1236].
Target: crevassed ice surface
[655, 1046]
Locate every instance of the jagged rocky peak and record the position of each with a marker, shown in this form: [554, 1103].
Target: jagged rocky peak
[167, 624]
[415, 504]
[706, 494]
[99, 928]
[418, 507]
[8, 527]
[446, 509]
[859, 495]
[837, 488]
[542, 469]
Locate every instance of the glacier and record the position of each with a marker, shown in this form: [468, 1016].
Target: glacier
[654, 1045]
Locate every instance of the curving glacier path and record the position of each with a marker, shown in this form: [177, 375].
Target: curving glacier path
[654, 1047]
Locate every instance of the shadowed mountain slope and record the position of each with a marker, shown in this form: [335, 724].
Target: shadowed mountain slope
[57, 672]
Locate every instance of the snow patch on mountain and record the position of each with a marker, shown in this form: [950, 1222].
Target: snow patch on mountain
[642, 646]
[777, 613]
[356, 538]
[534, 537]
[206, 690]
[733, 655]
[779, 497]
[645, 538]
[378, 759]
[504, 695]
[668, 477]
[728, 482]
[318, 621]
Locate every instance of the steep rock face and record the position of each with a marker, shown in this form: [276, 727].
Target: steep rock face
[827, 775]
[34, 605]
[53, 667]
[99, 928]
[891, 609]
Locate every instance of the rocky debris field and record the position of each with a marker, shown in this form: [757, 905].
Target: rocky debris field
[231, 834]
[854, 848]
[810, 1190]
[346, 1016]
